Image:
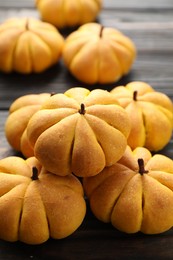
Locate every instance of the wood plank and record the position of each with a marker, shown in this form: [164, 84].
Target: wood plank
[110, 245]
[153, 64]
[153, 68]
[17, 4]
[136, 15]
[98, 241]
[112, 15]
[136, 4]
[147, 4]
[149, 24]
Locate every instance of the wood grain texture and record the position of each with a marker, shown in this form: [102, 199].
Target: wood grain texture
[149, 24]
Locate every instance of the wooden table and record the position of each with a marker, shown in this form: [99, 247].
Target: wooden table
[149, 24]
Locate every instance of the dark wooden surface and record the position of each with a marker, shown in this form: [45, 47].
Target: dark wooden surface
[149, 24]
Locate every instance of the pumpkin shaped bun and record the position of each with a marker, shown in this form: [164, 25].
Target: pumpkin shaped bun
[20, 111]
[135, 194]
[68, 13]
[151, 114]
[80, 131]
[98, 54]
[28, 45]
[35, 204]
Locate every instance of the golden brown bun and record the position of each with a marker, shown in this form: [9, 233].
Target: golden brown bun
[79, 131]
[134, 198]
[20, 111]
[151, 114]
[31, 209]
[28, 45]
[97, 54]
[65, 13]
